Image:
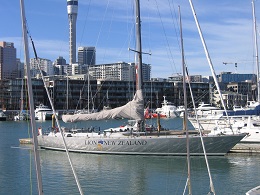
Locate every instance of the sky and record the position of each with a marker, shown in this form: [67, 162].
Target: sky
[109, 25]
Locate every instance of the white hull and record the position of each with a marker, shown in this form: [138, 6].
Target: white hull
[43, 115]
[242, 125]
[149, 144]
[3, 117]
[254, 191]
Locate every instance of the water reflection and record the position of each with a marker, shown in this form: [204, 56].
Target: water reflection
[116, 174]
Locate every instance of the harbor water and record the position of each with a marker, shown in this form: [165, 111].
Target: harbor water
[232, 174]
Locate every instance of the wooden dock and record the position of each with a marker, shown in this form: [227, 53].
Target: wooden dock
[246, 148]
[25, 141]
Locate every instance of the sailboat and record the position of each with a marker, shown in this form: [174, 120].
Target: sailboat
[137, 141]
[22, 115]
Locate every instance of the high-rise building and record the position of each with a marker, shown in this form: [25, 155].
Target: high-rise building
[44, 64]
[60, 66]
[87, 55]
[121, 71]
[60, 61]
[72, 8]
[20, 68]
[8, 66]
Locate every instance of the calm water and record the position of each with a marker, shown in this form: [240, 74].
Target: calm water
[115, 174]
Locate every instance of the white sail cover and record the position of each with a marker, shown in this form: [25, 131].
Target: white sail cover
[132, 110]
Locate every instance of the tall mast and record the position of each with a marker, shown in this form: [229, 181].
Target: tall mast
[31, 102]
[21, 103]
[256, 52]
[138, 48]
[220, 94]
[185, 112]
[209, 60]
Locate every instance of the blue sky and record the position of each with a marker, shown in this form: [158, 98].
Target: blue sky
[108, 25]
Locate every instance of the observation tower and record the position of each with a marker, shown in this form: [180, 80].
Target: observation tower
[72, 8]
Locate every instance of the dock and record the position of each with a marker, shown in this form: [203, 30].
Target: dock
[26, 141]
[246, 148]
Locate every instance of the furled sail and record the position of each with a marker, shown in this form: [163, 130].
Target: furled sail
[132, 110]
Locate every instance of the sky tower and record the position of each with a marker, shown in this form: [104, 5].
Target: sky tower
[72, 7]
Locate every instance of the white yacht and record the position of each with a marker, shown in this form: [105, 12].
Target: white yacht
[207, 115]
[248, 125]
[167, 110]
[43, 112]
[206, 109]
[3, 116]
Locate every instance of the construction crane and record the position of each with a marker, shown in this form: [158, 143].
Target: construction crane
[225, 63]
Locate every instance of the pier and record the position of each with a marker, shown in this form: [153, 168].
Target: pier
[26, 141]
[246, 148]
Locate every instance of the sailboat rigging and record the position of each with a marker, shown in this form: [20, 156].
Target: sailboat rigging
[31, 102]
[185, 74]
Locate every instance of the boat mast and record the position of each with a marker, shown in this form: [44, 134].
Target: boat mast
[67, 91]
[209, 60]
[185, 129]
[138, 56]
[21, 103]
[222, 101]
[31, 102]
[88, 89]
[256, 51]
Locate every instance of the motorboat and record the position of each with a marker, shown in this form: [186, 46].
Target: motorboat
[43, 112]
[206, 109]
[3, 116]
[22, 116]
[167, 110]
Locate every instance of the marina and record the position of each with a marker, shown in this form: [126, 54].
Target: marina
[234, 173]
[101, 152]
